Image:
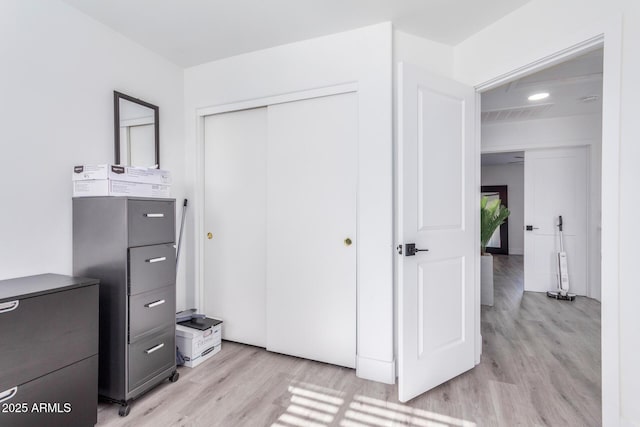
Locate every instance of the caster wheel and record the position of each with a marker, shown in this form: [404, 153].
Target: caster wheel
[174, 377]
[124, 410]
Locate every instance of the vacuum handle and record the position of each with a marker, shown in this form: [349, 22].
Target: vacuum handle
[560, 223]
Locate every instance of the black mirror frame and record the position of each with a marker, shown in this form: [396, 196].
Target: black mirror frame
[116, 120]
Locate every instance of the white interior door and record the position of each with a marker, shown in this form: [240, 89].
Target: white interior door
[311, 266]
[436, 208]
[556, 182]
[235, 215]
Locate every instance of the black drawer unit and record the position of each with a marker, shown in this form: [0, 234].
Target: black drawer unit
[48, 351]
[151, 222]
[151, 311]
[151, 267]
[129, 244]
[150, 356]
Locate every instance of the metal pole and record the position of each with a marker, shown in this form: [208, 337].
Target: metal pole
[184, 211]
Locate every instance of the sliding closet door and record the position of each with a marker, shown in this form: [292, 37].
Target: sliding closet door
[311, 228]
[235, 215]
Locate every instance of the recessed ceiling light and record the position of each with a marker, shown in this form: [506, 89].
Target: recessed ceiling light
[538, 96]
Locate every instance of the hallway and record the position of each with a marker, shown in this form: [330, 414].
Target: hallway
[543, 355]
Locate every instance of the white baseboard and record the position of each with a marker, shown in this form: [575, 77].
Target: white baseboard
[376, 370]
[516, 251]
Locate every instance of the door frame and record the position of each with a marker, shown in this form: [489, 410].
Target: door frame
[608, 36]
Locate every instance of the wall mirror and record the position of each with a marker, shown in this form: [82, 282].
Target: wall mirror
[136, 129]
[499, 242]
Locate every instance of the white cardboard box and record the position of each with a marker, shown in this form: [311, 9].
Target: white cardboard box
[122, 173]
[196, 345]
[107, 187]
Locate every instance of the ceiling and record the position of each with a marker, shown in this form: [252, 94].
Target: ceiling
[191, 32]
[572, 86]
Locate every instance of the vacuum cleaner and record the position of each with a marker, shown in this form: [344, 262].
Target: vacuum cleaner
[563, 272]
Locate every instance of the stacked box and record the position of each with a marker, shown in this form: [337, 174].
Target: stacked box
[115, 180]
[197, 346]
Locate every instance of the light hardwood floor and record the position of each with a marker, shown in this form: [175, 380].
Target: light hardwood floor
[540, 367]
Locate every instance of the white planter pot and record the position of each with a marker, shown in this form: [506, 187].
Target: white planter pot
[486, 279]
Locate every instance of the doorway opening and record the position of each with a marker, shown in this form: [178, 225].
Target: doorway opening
[541, 138]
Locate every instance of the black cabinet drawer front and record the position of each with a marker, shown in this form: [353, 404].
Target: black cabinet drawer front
[151, 222]
[151, 356]
[151, 311]
[67, 397]
[151, 267]
[47, 332]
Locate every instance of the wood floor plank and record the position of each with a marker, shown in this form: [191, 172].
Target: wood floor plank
[540, 367]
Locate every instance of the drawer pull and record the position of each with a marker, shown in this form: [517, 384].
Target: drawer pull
[154, 215]
[8, 394]
[155, 348]
[6, 307]
[159, 259]
[155, 303]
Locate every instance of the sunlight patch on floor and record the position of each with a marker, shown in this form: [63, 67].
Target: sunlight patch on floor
[310, 405]
[315, 406]
[315, 395]
[310, 413]
[386, 417]
[416, 412]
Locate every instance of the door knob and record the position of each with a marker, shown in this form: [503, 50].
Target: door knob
[531, 228]
[209, 236]
[347, 241]
[411, 250]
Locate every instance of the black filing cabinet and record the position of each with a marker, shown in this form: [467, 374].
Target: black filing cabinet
[128, 243]
[48, 351]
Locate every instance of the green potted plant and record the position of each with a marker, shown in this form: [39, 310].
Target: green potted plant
[492, 215]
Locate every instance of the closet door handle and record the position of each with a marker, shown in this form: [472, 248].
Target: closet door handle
[159, 259]
[155, 348]
[8, 394]
[6, 307]
[155, 303]
[154, 215]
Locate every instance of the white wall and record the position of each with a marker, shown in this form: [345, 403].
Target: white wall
[434, 57]
[582, 130]
[363, 57]
[513, 177]
[542, 133]
[541, 28]
[59, 70]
